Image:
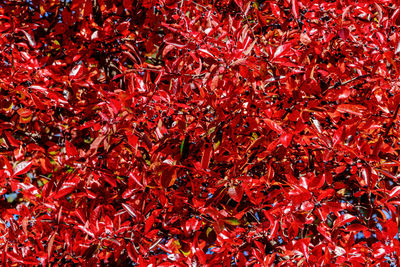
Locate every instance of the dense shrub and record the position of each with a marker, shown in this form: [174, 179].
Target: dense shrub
[199, 132]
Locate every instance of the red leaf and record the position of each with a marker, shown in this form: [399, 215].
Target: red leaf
[75, 72]
[65, 190]
[316, 182]
[274, 126]
[305, 39]
[30, 38]
[50, 245]
[337, 136]
[236, 193]
[149, 224]
[205, 160]
[286, 139]
[394, 192]
[86, 230]
[357, 110]
[22, 168]
[295, 9]
[96, 143]
[343, 219]
[14, 142]
[397, 48]
[130, 210]
[168, 176]
[39, 88]
[131, 252]
[281, 51]
[344, 33]
[15, 257]
[135, 179]
[391, 228]
[70, 149]
[132, 139]
[395, 16]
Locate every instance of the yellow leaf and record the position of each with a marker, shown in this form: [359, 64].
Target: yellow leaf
[232, 221]
[216, 145]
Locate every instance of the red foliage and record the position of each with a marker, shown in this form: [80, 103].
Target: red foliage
[199, 132]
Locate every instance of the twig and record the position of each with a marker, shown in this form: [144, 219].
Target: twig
[200, 5]
[166, 73]
[344, 83]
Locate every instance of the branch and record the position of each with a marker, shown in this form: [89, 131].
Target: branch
[344, 83]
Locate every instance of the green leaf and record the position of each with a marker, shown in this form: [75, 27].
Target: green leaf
[184, 151]
[232, 221]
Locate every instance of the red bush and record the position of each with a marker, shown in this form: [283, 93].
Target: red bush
[199, 132]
